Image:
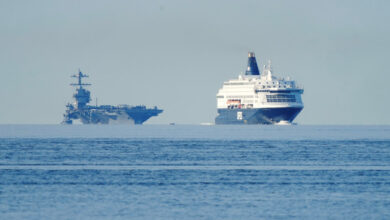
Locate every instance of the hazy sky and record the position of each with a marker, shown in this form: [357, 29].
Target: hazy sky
[176, 55]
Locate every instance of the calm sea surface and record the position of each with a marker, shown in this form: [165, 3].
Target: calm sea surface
[194, 172]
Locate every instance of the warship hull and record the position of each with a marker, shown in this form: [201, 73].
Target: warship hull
[126, 115]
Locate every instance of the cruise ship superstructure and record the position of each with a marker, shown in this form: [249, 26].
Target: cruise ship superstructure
[103, 114]
[258, 98]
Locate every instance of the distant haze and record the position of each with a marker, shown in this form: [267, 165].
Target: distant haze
[176, 55]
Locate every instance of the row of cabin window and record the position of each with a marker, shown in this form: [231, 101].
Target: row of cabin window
[240, 106]
[281, 100]
[274, 87]
[280, 96]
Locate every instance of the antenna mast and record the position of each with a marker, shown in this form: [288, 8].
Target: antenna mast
[79, 76]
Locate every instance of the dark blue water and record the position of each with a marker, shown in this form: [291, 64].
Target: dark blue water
[186, 172]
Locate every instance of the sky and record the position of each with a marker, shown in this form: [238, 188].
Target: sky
[176, 55]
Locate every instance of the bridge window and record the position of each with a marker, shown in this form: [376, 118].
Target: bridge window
[281, 98]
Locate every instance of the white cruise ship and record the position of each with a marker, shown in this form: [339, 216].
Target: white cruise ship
[258, 98]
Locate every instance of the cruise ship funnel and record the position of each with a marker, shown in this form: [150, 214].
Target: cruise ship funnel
[252, 68]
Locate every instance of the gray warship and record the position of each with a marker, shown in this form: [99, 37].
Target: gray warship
[103, 114]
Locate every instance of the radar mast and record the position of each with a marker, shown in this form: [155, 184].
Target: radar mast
[79, 76]
[82, 96]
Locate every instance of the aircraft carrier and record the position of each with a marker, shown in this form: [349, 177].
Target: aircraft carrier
[103, 114]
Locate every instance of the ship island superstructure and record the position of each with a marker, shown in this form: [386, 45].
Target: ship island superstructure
[258, 98]
[103, 114]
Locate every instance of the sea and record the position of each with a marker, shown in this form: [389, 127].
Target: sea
[194, 172]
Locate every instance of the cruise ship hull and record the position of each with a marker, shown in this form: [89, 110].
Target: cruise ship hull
[257, 116]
